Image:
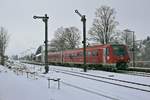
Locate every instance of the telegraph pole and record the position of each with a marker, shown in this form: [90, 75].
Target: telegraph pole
[83, 19]
[45, 20]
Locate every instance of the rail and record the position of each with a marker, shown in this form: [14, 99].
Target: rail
[78, 74]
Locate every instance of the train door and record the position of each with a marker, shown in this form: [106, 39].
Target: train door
[104, 55]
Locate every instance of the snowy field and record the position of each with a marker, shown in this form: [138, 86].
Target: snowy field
[16, 86]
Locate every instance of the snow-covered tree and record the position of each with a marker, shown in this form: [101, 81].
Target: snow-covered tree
[65, 38]
[3, 43]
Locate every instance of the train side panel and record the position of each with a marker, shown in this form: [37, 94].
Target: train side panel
[100, 54]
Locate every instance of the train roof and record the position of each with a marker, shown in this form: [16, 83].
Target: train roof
[38, 52]
[96, 46]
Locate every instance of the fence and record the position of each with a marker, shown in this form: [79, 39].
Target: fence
[145, 64]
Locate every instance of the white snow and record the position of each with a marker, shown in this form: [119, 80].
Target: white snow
[19, 87]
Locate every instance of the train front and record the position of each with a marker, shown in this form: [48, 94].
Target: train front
[120, 55]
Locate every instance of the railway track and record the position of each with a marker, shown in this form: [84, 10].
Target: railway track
[113, 79]
[71, 85]
[143, 74]
[123, 83]
[98, 79]
[105, 79]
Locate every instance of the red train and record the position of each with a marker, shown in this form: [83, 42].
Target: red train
[98, 54]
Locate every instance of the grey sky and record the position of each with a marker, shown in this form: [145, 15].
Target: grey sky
[25, 32]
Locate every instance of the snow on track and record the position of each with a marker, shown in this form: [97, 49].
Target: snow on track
[13, 87]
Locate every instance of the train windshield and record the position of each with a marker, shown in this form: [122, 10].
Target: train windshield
[119, 50]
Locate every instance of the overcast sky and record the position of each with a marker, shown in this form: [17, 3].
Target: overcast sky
[25, 32]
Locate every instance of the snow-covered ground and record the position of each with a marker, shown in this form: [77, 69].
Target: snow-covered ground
[19, 87]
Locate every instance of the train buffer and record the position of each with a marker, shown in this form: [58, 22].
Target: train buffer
[55, 80]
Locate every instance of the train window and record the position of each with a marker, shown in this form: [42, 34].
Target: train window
[81, 54]
[78, 54]
[70, 55]
[95, 53]
[65, 55]
[119, 50]
[88, 53]
[74, 55]
[107, 51]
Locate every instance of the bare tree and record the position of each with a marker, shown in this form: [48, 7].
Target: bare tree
[117, 37]
[103, 25]
[122, 37]
[58, 43]
[72, 37]
[65, 38]
[3, 43]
